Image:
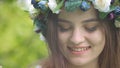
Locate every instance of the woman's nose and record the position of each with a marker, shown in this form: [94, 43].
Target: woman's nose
[77, 37]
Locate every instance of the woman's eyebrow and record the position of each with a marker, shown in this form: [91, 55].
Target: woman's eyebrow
[84, 21]
[63, 20]
[90, 20]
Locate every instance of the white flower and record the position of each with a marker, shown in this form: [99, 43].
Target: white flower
[42, 37]
[27, 6]
[102, 5]
[117, 24]
[52, 5]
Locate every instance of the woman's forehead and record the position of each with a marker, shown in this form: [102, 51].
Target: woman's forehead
[78, 13]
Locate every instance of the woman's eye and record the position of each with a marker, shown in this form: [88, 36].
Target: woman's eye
[91, 29]
[64, 29]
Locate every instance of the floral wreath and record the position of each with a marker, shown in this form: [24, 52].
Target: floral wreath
[106, 8]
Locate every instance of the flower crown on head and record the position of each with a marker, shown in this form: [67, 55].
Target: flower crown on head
[106, 8]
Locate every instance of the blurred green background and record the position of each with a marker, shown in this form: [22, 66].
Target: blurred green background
[20, 46]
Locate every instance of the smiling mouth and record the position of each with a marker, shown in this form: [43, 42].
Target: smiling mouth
[79, 50]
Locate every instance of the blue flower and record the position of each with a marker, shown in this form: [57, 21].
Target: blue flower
[35, 5]
[43, 5]
[33, 2]
[84, 6]
[112, 1]
[117, 11]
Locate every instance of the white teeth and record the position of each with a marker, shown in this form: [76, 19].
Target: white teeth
[79, 49]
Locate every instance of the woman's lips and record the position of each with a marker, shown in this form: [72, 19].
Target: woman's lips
[79, 50]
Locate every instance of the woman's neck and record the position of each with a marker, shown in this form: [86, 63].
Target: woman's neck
[93, 64]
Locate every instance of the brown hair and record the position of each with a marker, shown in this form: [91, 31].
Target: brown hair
[109, 58]
[56, 59]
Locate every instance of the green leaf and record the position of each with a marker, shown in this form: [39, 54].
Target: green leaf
[118, 19]
[102, 15]
[72, 5]
[58, 6]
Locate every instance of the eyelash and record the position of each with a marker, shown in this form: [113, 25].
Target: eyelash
[64, 29]
[88, 29]
[91, 29]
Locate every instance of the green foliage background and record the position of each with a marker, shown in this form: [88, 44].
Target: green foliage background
[19, 45]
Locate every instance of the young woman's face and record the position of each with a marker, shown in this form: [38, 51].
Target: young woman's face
[81, 36]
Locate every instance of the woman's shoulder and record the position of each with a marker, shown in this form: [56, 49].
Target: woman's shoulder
[44, 63]
[37, 64]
